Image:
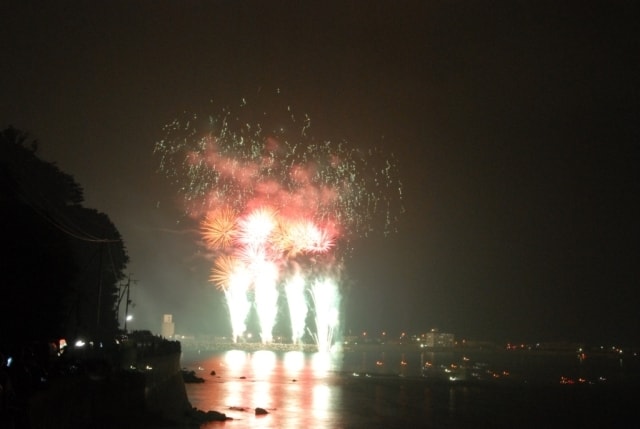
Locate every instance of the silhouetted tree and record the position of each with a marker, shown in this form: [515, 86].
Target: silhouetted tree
[62, 262]
[102, 258]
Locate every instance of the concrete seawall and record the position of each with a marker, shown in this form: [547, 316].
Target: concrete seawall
[164, 392]
[145, 389]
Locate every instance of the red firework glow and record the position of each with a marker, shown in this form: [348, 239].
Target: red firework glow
[272, 205]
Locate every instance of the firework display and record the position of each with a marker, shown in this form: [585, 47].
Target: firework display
[278, 210]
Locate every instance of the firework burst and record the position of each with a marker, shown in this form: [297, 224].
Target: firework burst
[219, 228]
[225, 269]
[269, 195]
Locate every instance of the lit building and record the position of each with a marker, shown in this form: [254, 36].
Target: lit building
[438, 339]
[168, 327]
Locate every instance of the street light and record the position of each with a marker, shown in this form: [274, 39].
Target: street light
[125, 289]
[129, 318]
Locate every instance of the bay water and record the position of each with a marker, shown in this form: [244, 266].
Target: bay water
[377, 389]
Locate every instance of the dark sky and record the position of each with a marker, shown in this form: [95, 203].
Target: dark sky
[515, 125]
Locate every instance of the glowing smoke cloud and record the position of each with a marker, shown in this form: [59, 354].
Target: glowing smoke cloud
[269, 198]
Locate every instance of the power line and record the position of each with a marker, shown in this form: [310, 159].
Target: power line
[47, 210]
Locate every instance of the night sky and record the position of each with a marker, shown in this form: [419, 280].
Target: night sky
[515, 126]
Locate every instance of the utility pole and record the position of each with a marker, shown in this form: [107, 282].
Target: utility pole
[98, 309]
[127, 290]
[126, 307]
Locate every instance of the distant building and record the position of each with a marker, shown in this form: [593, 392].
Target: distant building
[438, 339]
[351, 339]
[168, 327]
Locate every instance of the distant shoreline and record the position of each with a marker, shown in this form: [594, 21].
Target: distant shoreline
[199, 345]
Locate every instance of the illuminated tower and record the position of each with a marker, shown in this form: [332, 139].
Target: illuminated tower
[168, 327]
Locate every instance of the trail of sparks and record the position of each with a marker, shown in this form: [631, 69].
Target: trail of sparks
[294, 290]
[326, 299]
[269, 197]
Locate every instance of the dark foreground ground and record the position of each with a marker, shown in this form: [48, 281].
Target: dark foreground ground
[153, 395]
[113, 401]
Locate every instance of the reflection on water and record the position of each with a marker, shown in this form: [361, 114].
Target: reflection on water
[298, 389]
[318, 390]
[315, 390]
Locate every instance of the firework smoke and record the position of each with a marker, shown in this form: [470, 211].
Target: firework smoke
[278, 208]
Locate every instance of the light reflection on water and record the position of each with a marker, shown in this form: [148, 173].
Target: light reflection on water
[297, 389]
[362, 390]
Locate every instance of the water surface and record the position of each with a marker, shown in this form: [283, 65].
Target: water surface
[362, 390]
